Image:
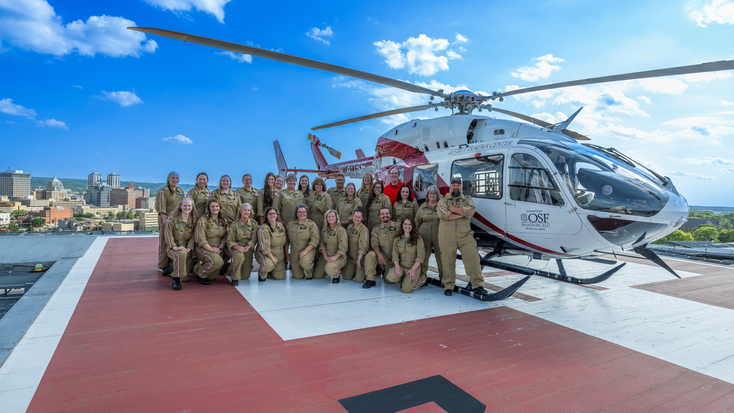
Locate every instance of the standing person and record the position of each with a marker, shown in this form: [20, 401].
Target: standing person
[338, 192]
[381, 241]
[229, 200]
[266, 197]
[271, 240]
[375, 203]
[359, 245]
[405, 206]
[248, 194]
[348, 204]
[304, 185]
[303, 239]
[427, 221]
[364, 192]
[333, 246]
[211, 233]
[200, 193]
[168, 199]
[180, 240]
[286, 200]
[392, 188]
[241, 242]
[408, 254]
[454, 232]
[318, 203]
[279, 183]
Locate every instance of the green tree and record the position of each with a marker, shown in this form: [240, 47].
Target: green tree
[39, 222]
[725, 223]
[19, 213]
[726, 235]
[121, 215]
[13, 227]
[705, 233]
[676, 235]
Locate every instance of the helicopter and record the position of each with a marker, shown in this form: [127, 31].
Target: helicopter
[540, 189]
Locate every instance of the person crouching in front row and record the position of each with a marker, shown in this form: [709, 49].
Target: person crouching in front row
[179, 237]
[211, 233]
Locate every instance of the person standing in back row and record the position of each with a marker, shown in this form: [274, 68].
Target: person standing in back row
[200, 193]
[338, 192]
[454, 232]
[392, 188]
[168, 199]
[228, 199]
[248, 194]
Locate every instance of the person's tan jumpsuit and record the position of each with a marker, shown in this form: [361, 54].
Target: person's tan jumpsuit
[401, 209]
[262, 206]
[301, 236]
[457, 234]
[334, 241]
[346, 207]
[285, 203]
[318, 205]
[381, 237]
[229, 204]
[249, 197]
[336, 196]
[359, 244]
[271, 242]
[211, 232]
[427, 221]
[244, 235]
[373, 212]
[200, 198]
[363, 194]
[166, 203]
[180, 234]
[407, 255]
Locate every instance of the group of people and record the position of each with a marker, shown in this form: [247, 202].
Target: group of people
[341, 232]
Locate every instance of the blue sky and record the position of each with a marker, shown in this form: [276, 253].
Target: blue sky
[79, 93]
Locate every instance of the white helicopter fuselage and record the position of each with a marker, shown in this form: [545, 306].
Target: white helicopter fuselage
[539, 191]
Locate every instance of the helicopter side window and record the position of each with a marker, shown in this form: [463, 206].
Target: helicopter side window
[481, 176]
[531, 182]
[424, 176]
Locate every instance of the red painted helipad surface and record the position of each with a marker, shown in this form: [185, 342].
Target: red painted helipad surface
[133, 344]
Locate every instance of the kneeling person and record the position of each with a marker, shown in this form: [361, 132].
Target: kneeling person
[303, 239]
[381, 242]
[408, 253]
[271, 239]
[241, 241]
[180, 240]
[333, 248]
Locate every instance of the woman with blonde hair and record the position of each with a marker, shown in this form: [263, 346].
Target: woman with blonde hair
[286, 200]
[211, 233]
[241, 242]
[228, 199]
[348, 204]
[319, 202]
[333, 246]
[303, 240]
[364, 191]
[167, 200]
[427, 220]
[180, 240]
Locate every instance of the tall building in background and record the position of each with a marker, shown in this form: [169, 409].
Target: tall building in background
[15, 184]
[113, 180]
[54, 190]
[93, 179]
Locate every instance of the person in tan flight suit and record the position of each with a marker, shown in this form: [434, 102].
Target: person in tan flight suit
[228, 199]
[167, 200]
[200, 193]
[381, 241]
[408, 254]
[304, 185]
[278, 183]
[375, 203]
[405, 205]
[454, 232]
[359, 245]
[241, 242]
[211, 233]
[333, 246]
[338, 192]
[319, 202]
[271, 240]
[364, 193]
[286, 200]
[348, 204]
[303, 239]
[266, 197]
[180, 240]
[427, 221]
[248, 194]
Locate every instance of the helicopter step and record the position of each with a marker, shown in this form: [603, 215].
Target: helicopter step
[562, 276]
[497, 296]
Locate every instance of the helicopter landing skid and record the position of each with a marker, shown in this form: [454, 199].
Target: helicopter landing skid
[497, 296]
[562, 276]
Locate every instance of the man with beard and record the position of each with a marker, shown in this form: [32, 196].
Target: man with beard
[381, 241]
[454, 232]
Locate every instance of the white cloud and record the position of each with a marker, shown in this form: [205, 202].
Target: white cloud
[726, 103]
[33, 25]
[600, 98]
[704, 161]
[318, 34]
[77, 87]
[242, 58]
[541, 70]
[51, 123]
[718, 11]
[213, 7]
[727, 170]
[421, 55]
[8, 107]
[122, 97]
[706, 76]
[644, 99]
[697, 177]
[179, 139]
[669, 85]
[460, 39]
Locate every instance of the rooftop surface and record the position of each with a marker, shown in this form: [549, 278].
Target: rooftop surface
[115, 337]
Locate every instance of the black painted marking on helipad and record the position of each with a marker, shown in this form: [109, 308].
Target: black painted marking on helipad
[393, 399]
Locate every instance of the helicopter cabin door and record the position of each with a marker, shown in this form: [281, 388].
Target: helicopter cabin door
[535, 207]
[481, 178]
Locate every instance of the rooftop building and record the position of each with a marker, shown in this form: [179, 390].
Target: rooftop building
[15, 184]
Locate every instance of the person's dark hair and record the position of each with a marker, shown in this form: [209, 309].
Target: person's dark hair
[307, 190]
[372, 192]
[413, 239]
[400, 193]
[267, 221]
[266, 192]
[346, 195]
[320, 182]
[207, 179]
[220, 216]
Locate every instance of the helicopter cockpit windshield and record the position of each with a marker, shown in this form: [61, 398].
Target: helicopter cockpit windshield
[602, 183]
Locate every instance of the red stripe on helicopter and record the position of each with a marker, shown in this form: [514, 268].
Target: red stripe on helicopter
[516, 239]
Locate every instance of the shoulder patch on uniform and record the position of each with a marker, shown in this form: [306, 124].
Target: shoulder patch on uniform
[169, 219]
[163, 190]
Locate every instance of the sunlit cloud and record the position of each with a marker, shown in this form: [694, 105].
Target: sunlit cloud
[318, 34]
[419, 55]
[213, 7]
[178, 139]
[541, 70]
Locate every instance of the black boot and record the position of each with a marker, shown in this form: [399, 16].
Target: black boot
[335, 280]
[176, 284]
[166, 271]
[368, 284]
[202, 281]
[235, 283]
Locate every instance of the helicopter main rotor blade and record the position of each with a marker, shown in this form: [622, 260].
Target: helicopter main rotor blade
[542, 123]
[374, 115]
[671, 71]
[282, 57]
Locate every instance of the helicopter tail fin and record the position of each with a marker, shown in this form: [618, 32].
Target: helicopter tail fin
[360, 154]
[280, 160]
[318, 156]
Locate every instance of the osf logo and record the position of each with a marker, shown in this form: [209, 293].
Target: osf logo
[535, 218]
